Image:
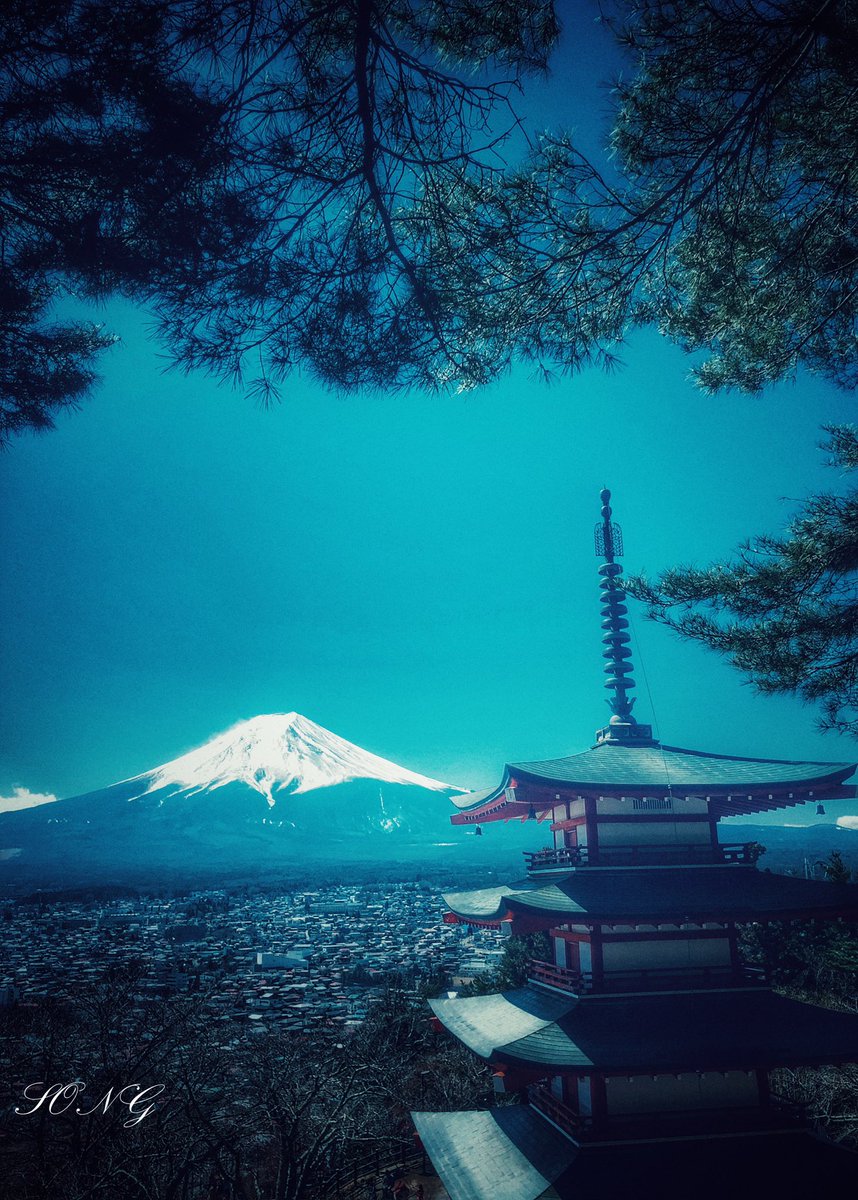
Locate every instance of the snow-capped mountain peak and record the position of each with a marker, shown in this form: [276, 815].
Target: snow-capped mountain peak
[277, 751]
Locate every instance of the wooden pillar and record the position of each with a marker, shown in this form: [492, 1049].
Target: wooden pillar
[592, 829]
[599, 1101]
[597, 958]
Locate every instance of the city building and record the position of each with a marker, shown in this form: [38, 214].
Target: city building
[642, 1052]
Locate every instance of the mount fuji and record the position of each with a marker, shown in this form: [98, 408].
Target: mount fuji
[273, 790]
[279, 753]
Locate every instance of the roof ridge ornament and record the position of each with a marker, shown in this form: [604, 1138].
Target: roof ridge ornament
[622, 726]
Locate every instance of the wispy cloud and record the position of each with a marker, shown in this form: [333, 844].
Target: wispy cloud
[23, 798]
[848, 822]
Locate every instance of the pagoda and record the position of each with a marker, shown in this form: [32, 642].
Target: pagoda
[640, 1054]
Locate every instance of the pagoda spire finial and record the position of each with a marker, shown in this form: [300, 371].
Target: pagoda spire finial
[615, 624]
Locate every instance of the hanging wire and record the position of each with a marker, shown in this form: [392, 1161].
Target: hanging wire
[642, 663]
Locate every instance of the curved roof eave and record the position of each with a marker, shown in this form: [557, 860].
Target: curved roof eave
[718, 1030]
[611, 767]
[472, 800]
[484, 904]
[728, 893]
[508, 1153]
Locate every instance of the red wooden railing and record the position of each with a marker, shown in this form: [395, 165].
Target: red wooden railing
[555, 1110]
[563, 856]
[646, 979]
[652, 853]
[554, 976]
[705, 1122]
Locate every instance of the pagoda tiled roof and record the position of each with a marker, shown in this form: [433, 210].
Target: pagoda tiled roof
[510, 1153]
[507, 1154]
[673, 1031]
[668, 896]
[658, 766]
[611, 767]
[487, 904]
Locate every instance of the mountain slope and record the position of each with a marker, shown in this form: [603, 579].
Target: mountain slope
[277, 788]
[793, 847]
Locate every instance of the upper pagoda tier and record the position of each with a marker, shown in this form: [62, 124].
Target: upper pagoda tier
[627, 762]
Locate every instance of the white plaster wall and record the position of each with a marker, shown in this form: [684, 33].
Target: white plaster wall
[665, 1093]
[614, 804]
[643, 832]
[685, 952]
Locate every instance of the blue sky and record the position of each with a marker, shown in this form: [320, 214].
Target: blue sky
[416, 573]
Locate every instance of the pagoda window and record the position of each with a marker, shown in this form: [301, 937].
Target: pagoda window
[652, 803]
[585, 958]
[627, 806]
[573, 954]
[567, 837]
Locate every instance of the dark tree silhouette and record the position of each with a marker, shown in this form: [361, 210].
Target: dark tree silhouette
[243, 1113]
[728, 215]
[785, 612]
[284, 180]
[300, 183]
[112, 180]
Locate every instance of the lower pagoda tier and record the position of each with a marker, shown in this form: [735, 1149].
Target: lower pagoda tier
[514, 1153]
[640, 896]
[719, 1030]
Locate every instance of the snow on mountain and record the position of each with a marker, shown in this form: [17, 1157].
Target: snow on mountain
[275, 752]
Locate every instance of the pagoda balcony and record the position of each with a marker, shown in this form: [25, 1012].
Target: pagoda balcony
[561, 978]
[773, 1117]
[644, 979]
[559, 1114]
[673, 979]
[690, 1122]
[564, 858]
